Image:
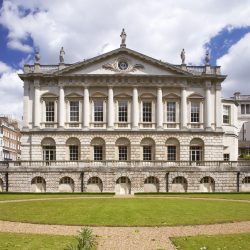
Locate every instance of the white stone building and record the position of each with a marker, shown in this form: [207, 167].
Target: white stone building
[124, 122]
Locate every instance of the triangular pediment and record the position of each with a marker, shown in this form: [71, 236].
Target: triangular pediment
[122, 61]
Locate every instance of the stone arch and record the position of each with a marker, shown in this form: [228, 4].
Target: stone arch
[123, 149]
[245, 185]
[98, 146]
[179, 184]
[94, 185]
[38, 184]
[73, 145]
[173, 149]
[66, 184]
[196, 149]
[147, 149]
[151, 184]
[1, 185]
[48, 145]
[207, 184]
[123, 185]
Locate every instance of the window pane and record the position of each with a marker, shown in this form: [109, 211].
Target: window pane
[147, 153]
[123, 111]
[247, 108]
[242, 107]
[147, 112]
[171, 112]
[49, 153]
[73, 152]
[196, 153]
[98, 153]
[123, 153]
[226, 114]
[50, 111]
[171, 153]
[195, 112]
[74, 111]
[98, 110]
[226, 157]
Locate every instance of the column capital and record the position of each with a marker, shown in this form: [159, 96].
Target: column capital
[208, 84]
[218, 86]
[36, 83]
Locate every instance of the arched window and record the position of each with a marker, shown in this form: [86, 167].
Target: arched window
[123, 149]
[73, 145]
[151, 180]
[173, 149]
[207, 184]
[66, 180]
[151, 184]
[94, 185]
[98, 145]
[66, 184]
[148, 149]
[196, 150]
[38, 184]
[179, 180]
[179, 184]
[207, 179]
[49, 149]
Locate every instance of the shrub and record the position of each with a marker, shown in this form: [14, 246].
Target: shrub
[85, 241]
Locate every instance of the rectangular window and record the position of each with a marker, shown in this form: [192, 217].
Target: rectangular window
[98, 153]
[147, 112]
[147, 153]
[73, 153]
[98, 111]
[226, 157]
[171, 112]
[50, 111]
[123, 111]
[195, 112]
[245, 109]
[171, 153]
[74, 111]
[195, 153]
[123, 153]
[226, 114]
[49, 153]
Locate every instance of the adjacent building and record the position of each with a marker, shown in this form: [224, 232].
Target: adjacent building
[125, 122]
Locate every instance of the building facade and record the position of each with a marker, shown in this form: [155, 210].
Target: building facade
[124, 122]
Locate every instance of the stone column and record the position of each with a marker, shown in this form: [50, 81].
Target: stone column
[218, 106]
[61, 107]
[159, 108]
[135, 109]
[184, 108]
[86, 108]
[37, 109]
[208, 109]
[110, 108]
[26, 105]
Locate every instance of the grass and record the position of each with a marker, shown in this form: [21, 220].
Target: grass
[9, 241]
[233, 196]
[217, 242]
[125, 212]
[24, 196]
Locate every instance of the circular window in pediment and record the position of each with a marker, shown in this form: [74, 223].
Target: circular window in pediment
[123, 65]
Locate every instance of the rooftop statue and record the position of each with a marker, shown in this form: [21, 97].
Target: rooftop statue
[37, 57]
[207, 58]
[183, 56]
[123, 38]
[62, 54]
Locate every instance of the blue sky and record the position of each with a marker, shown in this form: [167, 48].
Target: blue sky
[159, 29]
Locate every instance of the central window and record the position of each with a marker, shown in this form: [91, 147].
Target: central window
[123, 153]
[74, 111]
[98, 153]
[171, 112]
[98, 111]
[171, 153]
[196, 153]
[123, 111]
[195, 112]
[147, 153]
[73, 153]
[147, 112]
[50, 111]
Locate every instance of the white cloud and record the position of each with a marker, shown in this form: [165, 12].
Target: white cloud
[4, 67]
[15, 44]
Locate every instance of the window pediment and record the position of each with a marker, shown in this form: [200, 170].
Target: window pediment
[98, 95]
[171, 96]
[195, 96]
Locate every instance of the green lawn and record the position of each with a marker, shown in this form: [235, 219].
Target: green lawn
[233, 196]
[9, 241]
[24, 196]
[217, 242]
[125, 212]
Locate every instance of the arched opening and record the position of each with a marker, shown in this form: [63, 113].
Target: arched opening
[73, 149]
[66, 184]
[148, 149]
[98, 149]
[173, 149]
[179, 184]
[207, 184]
[151, 184]
[94, 185]
[123, 186]
[38, 185]
[1, 185]
[123, 149]
[196, 150]
[245, 186]
[49, 149]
